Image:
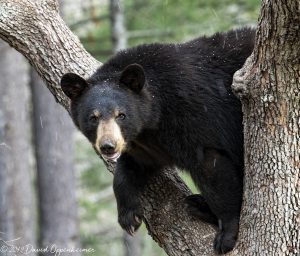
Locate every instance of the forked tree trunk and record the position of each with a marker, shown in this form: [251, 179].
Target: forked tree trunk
[269, 87]
[270, 217]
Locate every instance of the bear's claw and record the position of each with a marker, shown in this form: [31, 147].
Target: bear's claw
[223, 242]
[130, 220]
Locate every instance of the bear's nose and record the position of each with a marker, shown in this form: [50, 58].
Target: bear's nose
[107, 147]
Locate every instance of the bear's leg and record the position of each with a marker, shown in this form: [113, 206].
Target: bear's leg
[129, 181]
[227, 235]
[221, 185]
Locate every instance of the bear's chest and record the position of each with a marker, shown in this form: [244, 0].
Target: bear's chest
[150, 154]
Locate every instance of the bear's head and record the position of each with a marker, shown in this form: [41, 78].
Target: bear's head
[111, 109]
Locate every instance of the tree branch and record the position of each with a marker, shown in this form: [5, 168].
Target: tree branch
[36, 30]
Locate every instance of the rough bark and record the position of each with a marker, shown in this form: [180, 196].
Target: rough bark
[55, 167]
[16, 177]
[36, 30]
[269, 87]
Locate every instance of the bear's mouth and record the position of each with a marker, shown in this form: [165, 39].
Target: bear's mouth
[111, 157]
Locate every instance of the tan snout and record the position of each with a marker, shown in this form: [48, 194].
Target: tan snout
[109, 141]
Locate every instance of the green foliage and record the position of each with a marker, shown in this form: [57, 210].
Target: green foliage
[187, 19]
[188, 181]
[172, 21]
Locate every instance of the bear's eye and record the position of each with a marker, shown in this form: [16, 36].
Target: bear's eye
[121, 116]
[94, 118]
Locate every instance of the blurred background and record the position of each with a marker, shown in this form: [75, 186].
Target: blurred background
[54, 190]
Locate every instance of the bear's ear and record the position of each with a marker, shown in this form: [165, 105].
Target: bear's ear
[133, 77]
[73, 85]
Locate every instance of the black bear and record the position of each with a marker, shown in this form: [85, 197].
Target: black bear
[159, 105]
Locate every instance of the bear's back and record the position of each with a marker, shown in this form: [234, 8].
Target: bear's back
[191, 84]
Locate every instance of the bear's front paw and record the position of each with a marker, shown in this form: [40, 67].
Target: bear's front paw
[224, 242]
[130, 219]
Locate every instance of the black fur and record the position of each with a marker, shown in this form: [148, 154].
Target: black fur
[180, 111]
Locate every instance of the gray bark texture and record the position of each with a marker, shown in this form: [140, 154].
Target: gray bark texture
[270, 216]
[269, 87]
[53, 136]
[16, 198]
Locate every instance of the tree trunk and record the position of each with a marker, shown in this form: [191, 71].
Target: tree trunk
[132, 245]
[5, 220]
[269, 87]
[16, 194]
[54, 50]
[118, 31]
[55, 168]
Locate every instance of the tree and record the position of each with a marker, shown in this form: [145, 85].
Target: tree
[55, 169]
[54, 50]
[118, 31]
[269, 88]
[16, 196]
